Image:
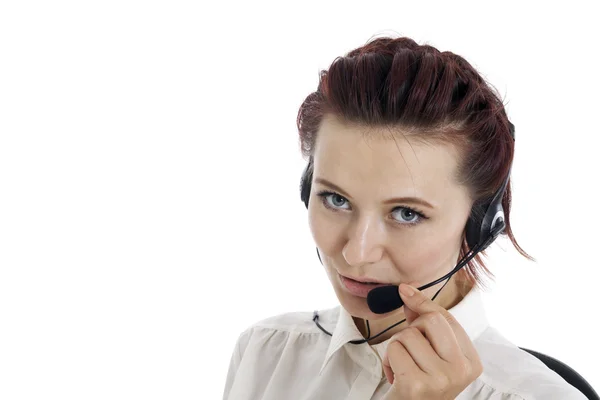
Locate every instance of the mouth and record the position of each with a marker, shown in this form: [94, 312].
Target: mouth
[360, 288]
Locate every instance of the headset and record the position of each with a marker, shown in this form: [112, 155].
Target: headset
[485, 223]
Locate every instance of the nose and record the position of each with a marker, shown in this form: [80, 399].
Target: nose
[366, 239]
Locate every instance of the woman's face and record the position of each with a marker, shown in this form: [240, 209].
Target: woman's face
[384, 208]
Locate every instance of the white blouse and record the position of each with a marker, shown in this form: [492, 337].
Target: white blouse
[289, 357]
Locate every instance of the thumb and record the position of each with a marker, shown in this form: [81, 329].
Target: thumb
[409, 313]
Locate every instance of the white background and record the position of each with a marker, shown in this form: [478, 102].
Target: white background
[149, 171]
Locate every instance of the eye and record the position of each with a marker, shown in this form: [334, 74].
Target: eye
[333, 200]
[402, 215]
[406, 215]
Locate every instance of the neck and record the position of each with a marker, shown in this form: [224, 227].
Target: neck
[451, 295]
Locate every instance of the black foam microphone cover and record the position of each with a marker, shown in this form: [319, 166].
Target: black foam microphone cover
[384, 299]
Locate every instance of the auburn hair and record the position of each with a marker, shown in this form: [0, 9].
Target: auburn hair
[436, 96]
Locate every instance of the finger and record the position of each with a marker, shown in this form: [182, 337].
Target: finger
[422, 304]
[420, 350]
[438, 332]
[409, 313]
[389, 374]
[398, 362]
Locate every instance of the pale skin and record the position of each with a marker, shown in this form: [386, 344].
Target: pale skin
[432, 358]
[361, 232]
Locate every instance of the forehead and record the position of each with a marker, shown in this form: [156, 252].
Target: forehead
[383, 161]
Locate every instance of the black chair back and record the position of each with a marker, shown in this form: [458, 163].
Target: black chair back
[567, 373]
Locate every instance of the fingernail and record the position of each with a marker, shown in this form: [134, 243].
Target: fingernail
[407, 290]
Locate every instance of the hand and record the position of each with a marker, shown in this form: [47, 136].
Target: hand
[433, 357]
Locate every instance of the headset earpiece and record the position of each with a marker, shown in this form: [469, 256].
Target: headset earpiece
[487, 220]
[306, 183]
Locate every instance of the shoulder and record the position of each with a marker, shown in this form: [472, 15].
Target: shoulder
[511, 370]
[267, 350]
[276, 328]
[300, 321]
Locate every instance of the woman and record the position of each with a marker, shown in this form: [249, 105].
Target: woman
[407, 149]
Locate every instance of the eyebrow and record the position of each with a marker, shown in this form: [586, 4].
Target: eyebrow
[414, 200]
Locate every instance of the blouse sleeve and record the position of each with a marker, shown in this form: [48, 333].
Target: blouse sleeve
[257, 357]
[234, 363]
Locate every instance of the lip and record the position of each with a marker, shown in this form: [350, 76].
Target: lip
[358, 288]
[364, 280]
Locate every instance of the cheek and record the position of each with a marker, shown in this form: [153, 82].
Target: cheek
[325, 231]
[428, 253]
[418, 261]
